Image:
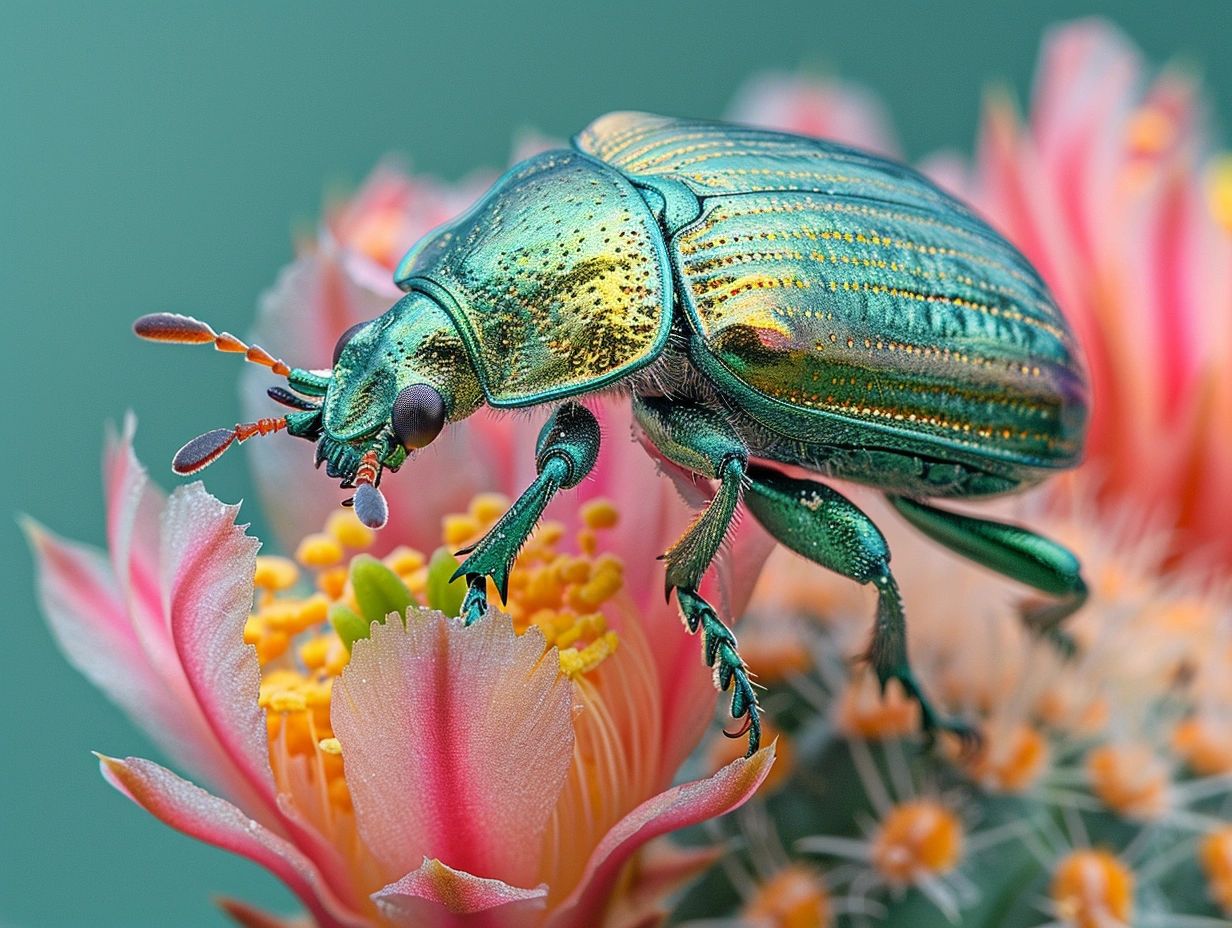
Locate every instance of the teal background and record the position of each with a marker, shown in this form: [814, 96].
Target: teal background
[157, 157]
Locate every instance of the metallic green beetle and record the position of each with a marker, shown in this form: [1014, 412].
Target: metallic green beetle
[764, 299]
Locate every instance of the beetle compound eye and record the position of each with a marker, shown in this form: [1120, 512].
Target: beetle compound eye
[418, 416]
[344, 338]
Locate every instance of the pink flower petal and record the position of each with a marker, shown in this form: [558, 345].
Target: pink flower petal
[660, 871]
[86, 614]
[456, 742]
[207, 566]
[133, 510]
[83, 607]
[437, 896]
[678, 807]
[193, 811]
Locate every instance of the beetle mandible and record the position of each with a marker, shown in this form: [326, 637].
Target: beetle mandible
[764, 299]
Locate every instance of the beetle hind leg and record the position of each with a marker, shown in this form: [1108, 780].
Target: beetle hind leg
[1013, 552]
[827, 528]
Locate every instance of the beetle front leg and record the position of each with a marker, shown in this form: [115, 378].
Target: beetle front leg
[701, 440]
[828, 529]
[567, 449]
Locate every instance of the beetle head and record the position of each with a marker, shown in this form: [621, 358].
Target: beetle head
[395, 382]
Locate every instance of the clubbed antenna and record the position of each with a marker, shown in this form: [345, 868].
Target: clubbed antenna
[205, 449]
[185, 330]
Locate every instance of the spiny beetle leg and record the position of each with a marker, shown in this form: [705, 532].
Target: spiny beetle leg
[730, 672]
[703, 441]
[827, 528]
[887, 653]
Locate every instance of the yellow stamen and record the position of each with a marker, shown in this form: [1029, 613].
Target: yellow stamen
[917, 839]
[275, 573]
[1093, 889]
[795, 897]
[486, 508]
[599, 514]
[460, 529]
[346, 529]
[404, 561]
[330, 746]
[319, 551]
[332, 582]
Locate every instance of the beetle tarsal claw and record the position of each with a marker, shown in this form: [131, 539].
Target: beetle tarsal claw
[370, 506]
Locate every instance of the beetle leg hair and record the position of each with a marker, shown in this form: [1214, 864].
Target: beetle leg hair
[827, 528]
[1014, 552]
[701, 440]
[567, 450]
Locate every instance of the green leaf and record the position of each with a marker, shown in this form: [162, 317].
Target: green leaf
[378, 590]
[349, 626]
[443, 594]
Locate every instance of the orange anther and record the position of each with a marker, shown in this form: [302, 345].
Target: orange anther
[917, 839]
[1093, 889]
[795, 897]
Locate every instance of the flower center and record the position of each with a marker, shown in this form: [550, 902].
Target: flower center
[1130, 779]
[1011, 763]
[795, 897]
[1205, 744]
[1092, 889]
[864, 712]
[917, 839]
[303, 638]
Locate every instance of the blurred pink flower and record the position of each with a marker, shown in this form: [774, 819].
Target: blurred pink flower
[1107, 188]
[462, 775]
[826, 108]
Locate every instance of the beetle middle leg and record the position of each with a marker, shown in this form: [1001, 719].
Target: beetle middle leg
[828, 529]
[702, 441]
[567, 449]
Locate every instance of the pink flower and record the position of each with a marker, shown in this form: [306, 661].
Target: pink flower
[509, 773]
[460, 771]
[825, 108]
